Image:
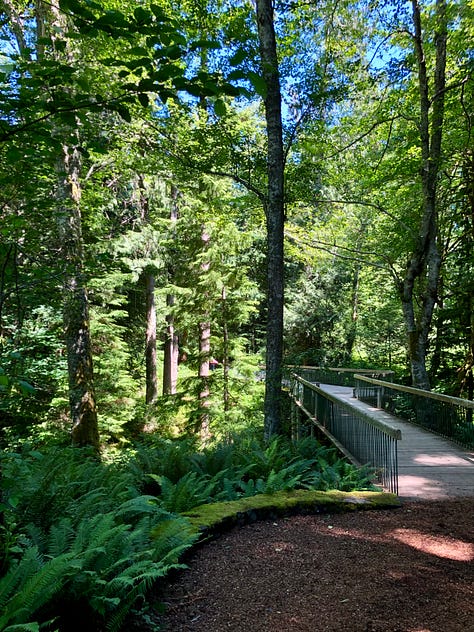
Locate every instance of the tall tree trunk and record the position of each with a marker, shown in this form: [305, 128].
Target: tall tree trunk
[76, 304]
[466, 376]
[171, 348]
[150, 342]
[171, 351]
[352, 331]
[84, 425]
[439, 327]
[424, 265]
[68, 216]
[151, 380]
[204, 356]
[274, 208]
[225, 352]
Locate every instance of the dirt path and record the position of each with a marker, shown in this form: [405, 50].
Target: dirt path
[404, 570]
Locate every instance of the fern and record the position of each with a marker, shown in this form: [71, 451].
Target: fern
[91, 543]
[190, 490]
[30, 584]
[171, 536]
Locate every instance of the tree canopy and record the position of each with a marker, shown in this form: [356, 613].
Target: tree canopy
[189, 186]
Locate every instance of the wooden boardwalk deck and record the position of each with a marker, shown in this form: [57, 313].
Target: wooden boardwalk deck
[429, 467]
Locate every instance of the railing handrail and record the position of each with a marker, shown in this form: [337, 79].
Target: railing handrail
[395, 433]
[341, 369]
[458, 401]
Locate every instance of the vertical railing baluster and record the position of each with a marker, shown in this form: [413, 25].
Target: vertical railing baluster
[371, 443]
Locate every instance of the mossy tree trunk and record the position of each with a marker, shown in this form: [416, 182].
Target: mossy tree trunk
[82, 400]
[76, 304]
[418, 289]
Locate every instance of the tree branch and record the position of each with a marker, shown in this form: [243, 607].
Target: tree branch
[370, 205]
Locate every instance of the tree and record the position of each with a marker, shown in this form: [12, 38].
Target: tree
[425, 260]
[274, 210]
[171, 344]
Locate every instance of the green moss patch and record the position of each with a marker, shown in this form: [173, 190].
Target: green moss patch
[217, 517]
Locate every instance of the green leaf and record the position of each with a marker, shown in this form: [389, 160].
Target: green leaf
[26, 387]
[142, 15]
[173, 52]
[238, 57]
[220, 107]
[144, 99]
[194, 89]
[77, 8]
[143, 62]
[14, 155]
[167, 71]
[158, 12]
[124, 112]
[205, 44]
[139, 50]
[114, 19]
[235, 75]
[258, 83]
[146, 85]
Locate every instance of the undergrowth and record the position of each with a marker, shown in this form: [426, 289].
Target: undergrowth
[83, 541]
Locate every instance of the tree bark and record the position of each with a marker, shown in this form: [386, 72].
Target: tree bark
[274, 208]
[151, 381]
[423, 268]
[466, 372]
[225, 352]
[171, 346]
[171, 352]
[82, 401]
[202, 426]
[150, 342]
[76, 305]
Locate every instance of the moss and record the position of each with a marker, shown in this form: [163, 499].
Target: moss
[217, 517]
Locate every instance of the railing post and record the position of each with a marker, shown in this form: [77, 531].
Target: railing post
[360, 435]
[380, 397]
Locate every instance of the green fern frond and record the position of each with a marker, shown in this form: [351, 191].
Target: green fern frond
[61, 537]
[190, 490]
[170, 537]
[31, 584]
[22, 627]
[18, 573]
[137, 507]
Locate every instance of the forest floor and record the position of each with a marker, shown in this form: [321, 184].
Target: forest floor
[401, 570]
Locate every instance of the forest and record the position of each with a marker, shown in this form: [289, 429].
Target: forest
[194, 196]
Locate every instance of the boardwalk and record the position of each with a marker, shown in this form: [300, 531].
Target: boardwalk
[429, 466]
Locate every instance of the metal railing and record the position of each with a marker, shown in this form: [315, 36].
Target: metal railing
[364, 439]
[336, 376]
[450, 417]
